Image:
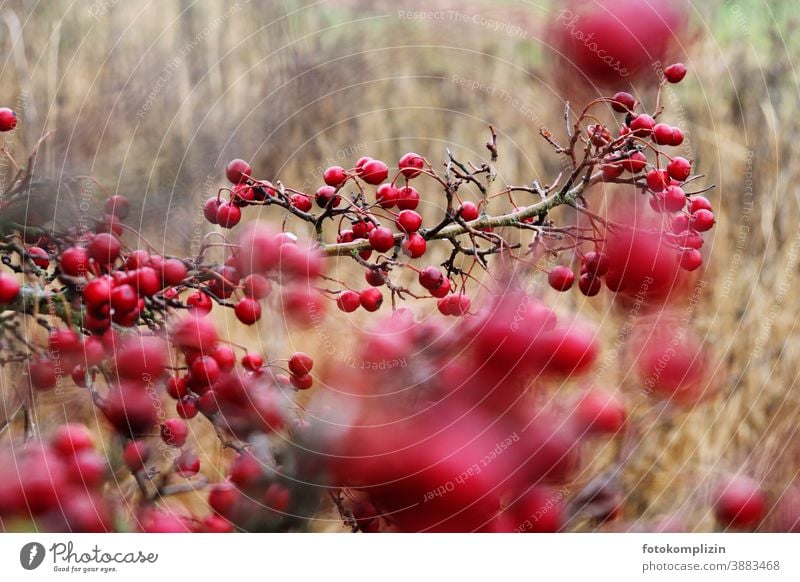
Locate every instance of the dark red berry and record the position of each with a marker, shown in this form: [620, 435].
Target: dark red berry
[300, 363]
[237, 171]
[675, 73]
[623, 102]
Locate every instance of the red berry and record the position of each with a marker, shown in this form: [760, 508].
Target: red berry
[69, 439]
[118, 206]
[97, 292]
[375, 277]
[642, 125]
[199, 303]
[205, 370]
[381, 239]
[210, 208]
[39, 257]
[361, 161]
[225, 357]
[612, 171]
[657, 180]
[362, 228]
[42, 374]
[187, 407]
[252, 361]
[679, 169]
[561, 278]
[177, 387]
[300, 363]
[680, 224]
[195, 333]
[430, 277]
[248, 310]
[411, 164]
[407, 198]
[623, 102]
[596, 263]
[468, 211]
[228, 215]
[386, 195]
[301, 202]
[691, 259]
[74, 261]
[635, 163]
[409, 221]
[334, 176]
[9, 288]
[237, 171]
[187, 464]
[174, 432]
[740, 503]
[702, 220]
[327, 196]
[348, 301]
[124, 299]
[414, 245]
[174, 272]
[371, 299]
[8, 119]
[256, 286]
[675, 73]
[600, 413]
[677, 136]
[374, 172]
[589, 285]
[442, 290]
[662, 134]
[222, 497]
[699, 203]
[303, 382]
[135, 455]
[104, 248]
[674, 199]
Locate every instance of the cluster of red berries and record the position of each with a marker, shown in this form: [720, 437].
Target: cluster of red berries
[57, 483]
[685, 217]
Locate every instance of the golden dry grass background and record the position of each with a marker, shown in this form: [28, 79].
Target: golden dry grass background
[153, 97]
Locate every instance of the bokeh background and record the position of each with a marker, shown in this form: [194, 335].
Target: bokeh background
[153, 97]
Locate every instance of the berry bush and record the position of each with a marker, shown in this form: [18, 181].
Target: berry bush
[451, 423]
